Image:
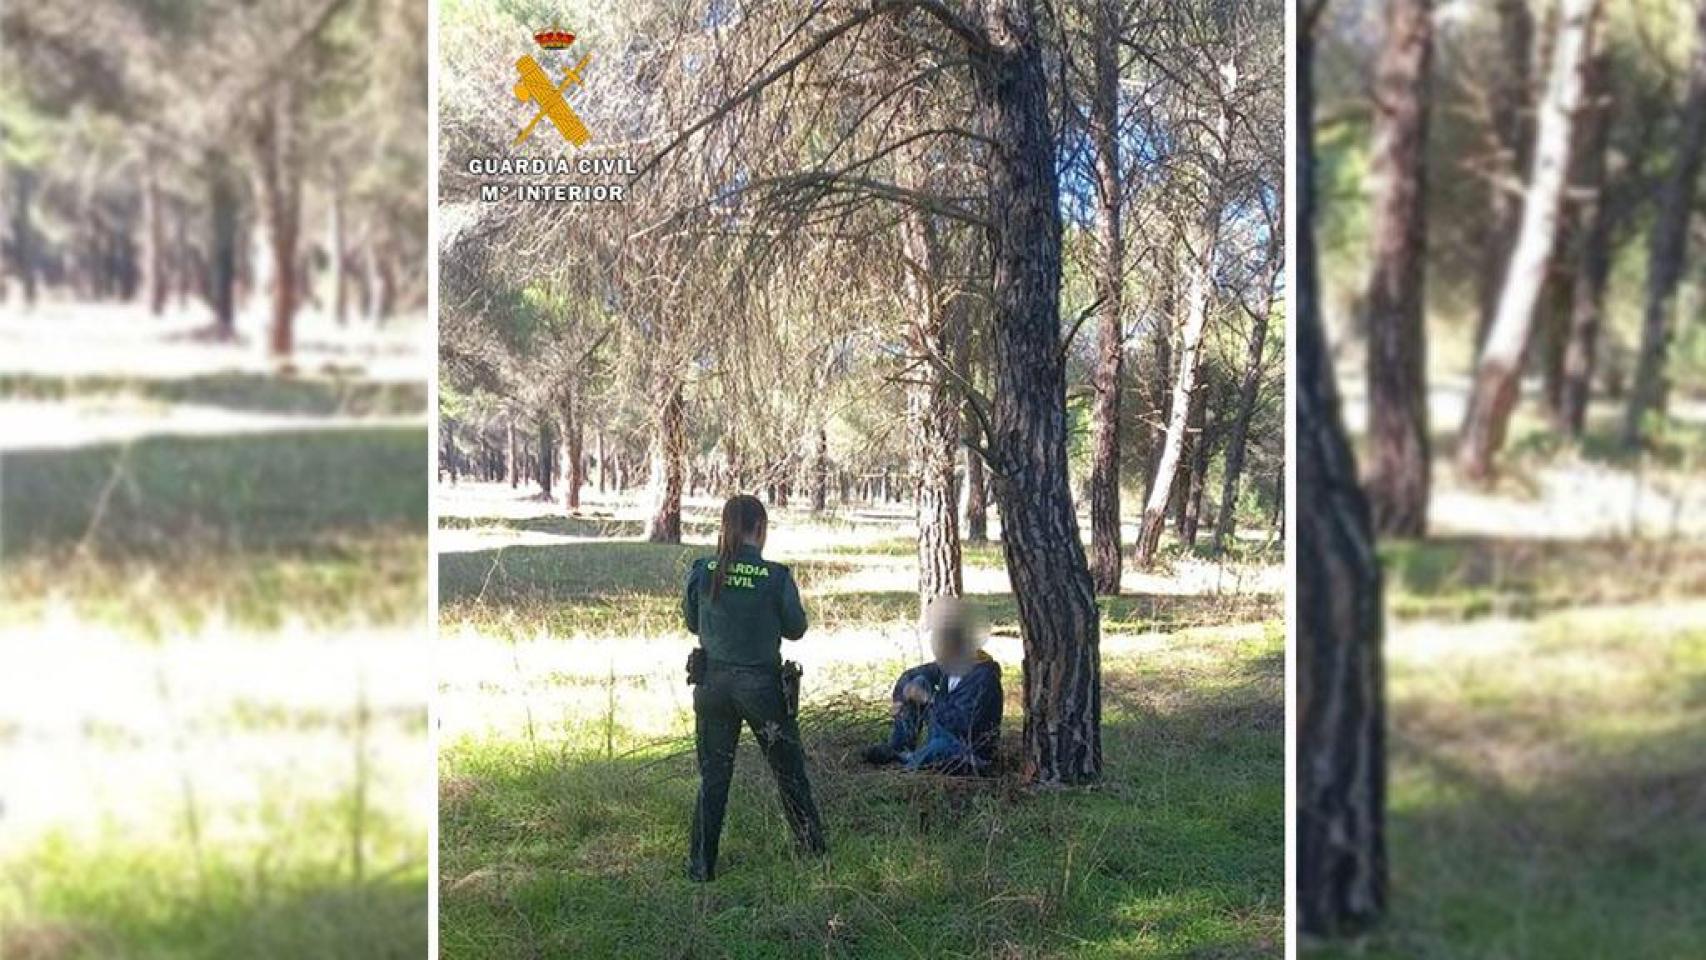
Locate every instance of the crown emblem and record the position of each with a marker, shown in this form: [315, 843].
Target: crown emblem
[555, 38]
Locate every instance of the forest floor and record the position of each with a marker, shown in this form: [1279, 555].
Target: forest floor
[567, 777]
[212, 597]
[1547, 664]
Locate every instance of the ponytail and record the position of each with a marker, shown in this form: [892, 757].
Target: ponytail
[743, 517]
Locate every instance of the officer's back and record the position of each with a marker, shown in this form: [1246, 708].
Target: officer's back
[758, 603]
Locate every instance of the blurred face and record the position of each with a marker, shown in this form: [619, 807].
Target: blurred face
[951, 631]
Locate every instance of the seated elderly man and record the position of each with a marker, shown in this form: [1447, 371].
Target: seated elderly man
[955, 701]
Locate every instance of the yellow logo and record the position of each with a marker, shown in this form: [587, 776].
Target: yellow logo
[535, 86]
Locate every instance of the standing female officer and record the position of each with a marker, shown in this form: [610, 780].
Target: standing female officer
[741, 606]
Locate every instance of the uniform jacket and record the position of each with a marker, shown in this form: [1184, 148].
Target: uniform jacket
[760, 604]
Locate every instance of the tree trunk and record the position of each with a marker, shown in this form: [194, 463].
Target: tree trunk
[1110, 282]
[1226, 527]
[933, 414]
[158, 274]
[1208, 429]
[542, 465]
[1512, 132]
[1668, 249]
[1188, 447]
[573, 470]
[1594, 267]
[1341, 749]
[1398, 445]
[1050, 575]
[279, 186]
[603, 463]
[1497, 376]
[23, 231]
[222, 246]
[1205, 236]
[338, 250]
[668, 443]
[820, 472]
[977, 499]
[448, 454]
[512, 456]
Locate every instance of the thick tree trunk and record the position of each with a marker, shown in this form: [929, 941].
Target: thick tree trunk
[278, 171]
[1110, 282]
[668, 445]
[1204, 237]
[1399, 457]
[1668, 249]
[1226, 527]
[1512, 130]
[1594, 266]
[1341, 763]
[1188, 456]
[1050, 575]
[933, 414]
[222, 246]
[1498, 374]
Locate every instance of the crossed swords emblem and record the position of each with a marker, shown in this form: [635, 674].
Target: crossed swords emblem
[536, 85]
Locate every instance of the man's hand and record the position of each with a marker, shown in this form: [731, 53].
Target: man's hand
[917, 692]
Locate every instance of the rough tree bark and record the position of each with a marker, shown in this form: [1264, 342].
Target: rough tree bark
[977, 500]
[1399, 457]
[933, 414]
[1498, 374]
[1110, 281]
[1341, 778]
[1050, 574]
[1204, 236]
[1668, 249]
[1226, 527]
[1594, 267]
[668, 444]
[278, 184]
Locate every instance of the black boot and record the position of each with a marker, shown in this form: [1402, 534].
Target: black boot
[881, 755]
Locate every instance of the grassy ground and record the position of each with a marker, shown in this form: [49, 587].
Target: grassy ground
[212, 740]
[567, 776]
[1547, 694]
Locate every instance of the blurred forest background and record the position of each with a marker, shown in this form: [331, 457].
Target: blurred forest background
[982, 299]
[1501, 722]
[213, 459]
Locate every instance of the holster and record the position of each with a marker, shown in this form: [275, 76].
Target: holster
[791, 673]
[696, 666]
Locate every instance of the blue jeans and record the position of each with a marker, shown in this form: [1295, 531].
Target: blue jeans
[941, 751]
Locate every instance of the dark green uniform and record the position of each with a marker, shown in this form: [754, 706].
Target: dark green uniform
[742, 633]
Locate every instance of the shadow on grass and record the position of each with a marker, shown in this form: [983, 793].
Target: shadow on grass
[245, 392]
[239, 916]
[242, 491]
[1465, 576]
[548, 848]
[629, 585]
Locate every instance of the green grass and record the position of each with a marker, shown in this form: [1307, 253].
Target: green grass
[563, 829]
[69, 899]
[327, 526]
[1547, 795]
[248, 392]
[574, 845]
[599, 588]
[1463, 577]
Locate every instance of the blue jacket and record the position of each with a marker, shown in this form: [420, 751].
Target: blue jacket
[965, 722]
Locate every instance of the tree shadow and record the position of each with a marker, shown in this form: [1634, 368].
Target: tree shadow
[1464, 576]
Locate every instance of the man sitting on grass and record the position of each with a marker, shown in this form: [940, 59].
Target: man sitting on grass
[956, 699]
